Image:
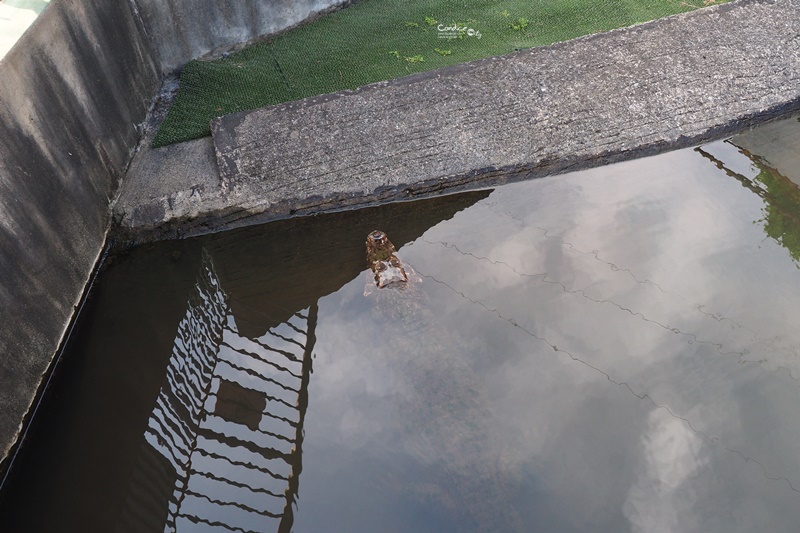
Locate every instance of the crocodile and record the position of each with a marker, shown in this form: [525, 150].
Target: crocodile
[446, 415]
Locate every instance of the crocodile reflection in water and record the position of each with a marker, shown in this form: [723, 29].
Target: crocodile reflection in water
[447, 418]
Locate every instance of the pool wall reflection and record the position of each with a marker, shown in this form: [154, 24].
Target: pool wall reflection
[182, 402]
[612, 350]
[228, 423]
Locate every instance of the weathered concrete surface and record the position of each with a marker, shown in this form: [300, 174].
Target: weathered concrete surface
[74, 94]
[16, 16]
[672, 83]
[664, 85]
[187, 29]
[189, 180]
[71, 93]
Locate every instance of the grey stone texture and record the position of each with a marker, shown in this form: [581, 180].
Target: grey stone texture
[71, 93]
[74, 97]
[186, 29]
[672, 83]
[668, 84]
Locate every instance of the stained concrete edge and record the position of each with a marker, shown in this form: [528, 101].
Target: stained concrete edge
[672, 83]
[74, 92]
[182, 30]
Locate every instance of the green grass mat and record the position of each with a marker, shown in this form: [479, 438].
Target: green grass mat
[375, 40]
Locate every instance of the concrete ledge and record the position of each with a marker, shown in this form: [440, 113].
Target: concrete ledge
[668, 84]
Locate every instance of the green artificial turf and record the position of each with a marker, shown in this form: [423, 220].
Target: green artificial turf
[375, 40]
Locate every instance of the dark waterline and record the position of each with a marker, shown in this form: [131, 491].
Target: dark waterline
[611, 350]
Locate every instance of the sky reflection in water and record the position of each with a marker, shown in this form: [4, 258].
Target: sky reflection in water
[635, 339]
[610, 350]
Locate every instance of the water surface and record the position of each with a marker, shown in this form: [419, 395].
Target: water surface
[609, 350]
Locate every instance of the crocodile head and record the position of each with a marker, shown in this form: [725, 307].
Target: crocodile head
[383, 261]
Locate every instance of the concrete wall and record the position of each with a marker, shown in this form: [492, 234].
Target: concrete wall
[186, 29]
[72, 92]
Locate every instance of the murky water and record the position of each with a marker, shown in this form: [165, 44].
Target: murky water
[611, 350]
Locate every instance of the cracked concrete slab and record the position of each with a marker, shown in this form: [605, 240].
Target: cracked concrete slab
[668, 84]
[188, 168]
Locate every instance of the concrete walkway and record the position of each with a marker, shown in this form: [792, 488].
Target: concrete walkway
[16, 16]
[672, 83]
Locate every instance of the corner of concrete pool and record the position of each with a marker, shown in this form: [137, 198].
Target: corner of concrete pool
[76, 164]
